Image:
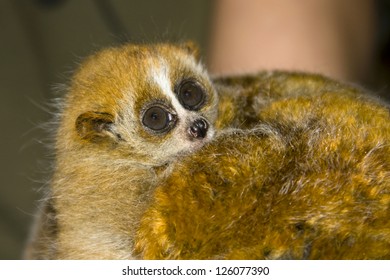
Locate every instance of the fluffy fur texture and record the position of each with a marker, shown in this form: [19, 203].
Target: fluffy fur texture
[299, 167]
[310, 180]
[107, 161]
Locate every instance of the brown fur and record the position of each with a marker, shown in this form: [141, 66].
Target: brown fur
[107, 163]
[311, 180]
[299, 168]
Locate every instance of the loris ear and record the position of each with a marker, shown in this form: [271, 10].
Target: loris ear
[192, 48]
[95, 126]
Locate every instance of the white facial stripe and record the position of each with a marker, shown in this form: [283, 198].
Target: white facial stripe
[160, 75]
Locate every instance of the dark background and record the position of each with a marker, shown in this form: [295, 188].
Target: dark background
[42, 41]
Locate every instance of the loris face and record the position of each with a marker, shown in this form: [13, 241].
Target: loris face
[147, 104]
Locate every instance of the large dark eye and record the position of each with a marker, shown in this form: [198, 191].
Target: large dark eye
[191, 95]
[157, 118]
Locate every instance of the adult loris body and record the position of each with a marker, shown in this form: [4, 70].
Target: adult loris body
[309, 180]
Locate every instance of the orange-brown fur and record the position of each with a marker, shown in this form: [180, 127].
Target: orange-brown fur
[299, 168]
[106, 162]
[311, 180]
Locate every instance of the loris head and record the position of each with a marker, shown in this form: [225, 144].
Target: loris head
[144, 103]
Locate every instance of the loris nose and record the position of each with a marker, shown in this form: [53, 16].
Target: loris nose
[198, 128]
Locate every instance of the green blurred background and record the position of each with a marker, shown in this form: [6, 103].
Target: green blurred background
[41, 42]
